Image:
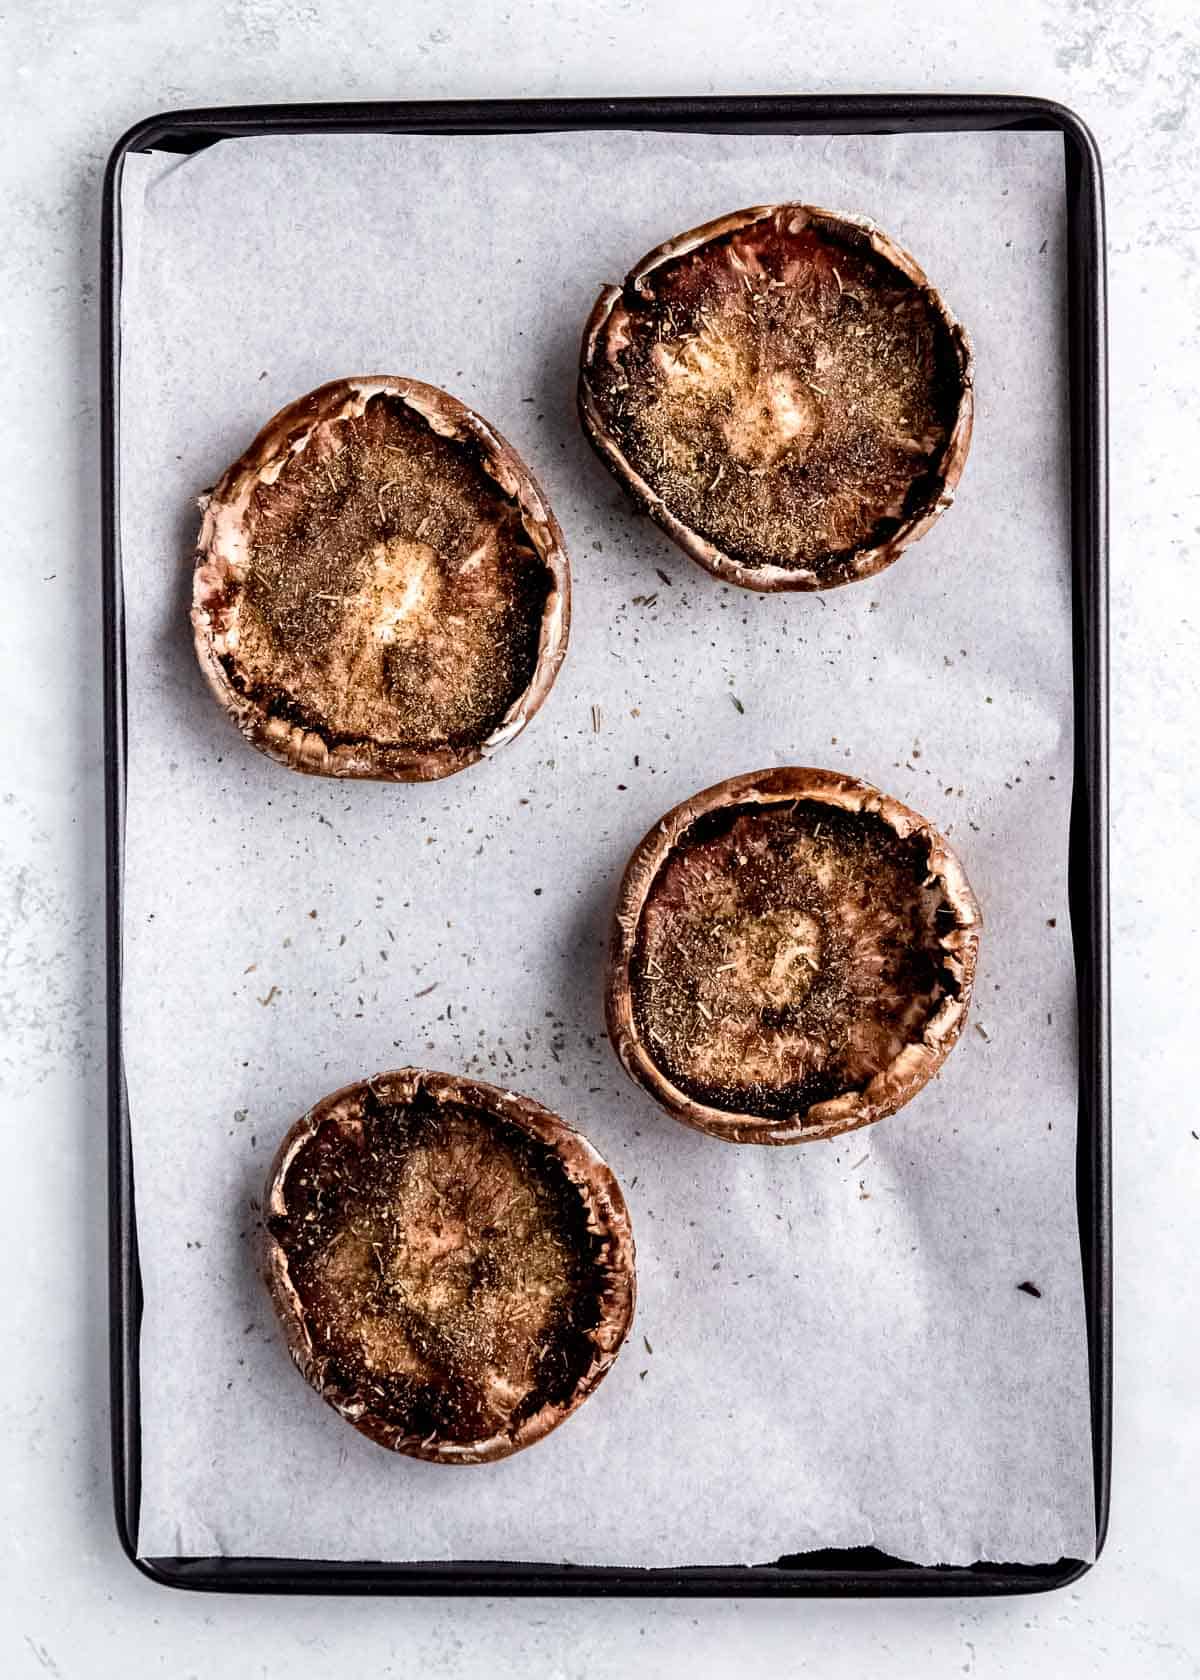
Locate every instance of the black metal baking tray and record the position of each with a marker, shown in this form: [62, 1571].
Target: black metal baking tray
[861, 1571]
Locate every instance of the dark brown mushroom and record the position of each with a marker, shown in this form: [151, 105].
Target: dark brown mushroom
[453, 1265]
[380, 588]
[792, 956]
[784, 392]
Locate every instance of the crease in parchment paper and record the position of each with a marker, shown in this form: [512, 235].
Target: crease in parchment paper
[842, 1354]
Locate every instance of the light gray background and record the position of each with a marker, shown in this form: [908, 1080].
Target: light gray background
[70, 79]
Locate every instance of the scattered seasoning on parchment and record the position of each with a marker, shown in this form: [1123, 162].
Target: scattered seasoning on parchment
[270, 997]
[1052, 921]
[425, 991]
[1028, 1288]
[595, 720]
[737, 704]
[663, 575]
[646, 1342]
[983, 1032]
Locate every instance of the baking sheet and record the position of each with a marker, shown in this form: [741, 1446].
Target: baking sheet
[831, 1346]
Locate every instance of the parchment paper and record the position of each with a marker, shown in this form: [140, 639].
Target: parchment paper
[831, 1347]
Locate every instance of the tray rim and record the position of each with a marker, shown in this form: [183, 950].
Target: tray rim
[854, 1572]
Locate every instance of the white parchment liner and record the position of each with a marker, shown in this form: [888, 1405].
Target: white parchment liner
[831, 1346]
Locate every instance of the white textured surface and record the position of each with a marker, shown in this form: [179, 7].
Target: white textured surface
[71, 78]
[841, 1352]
